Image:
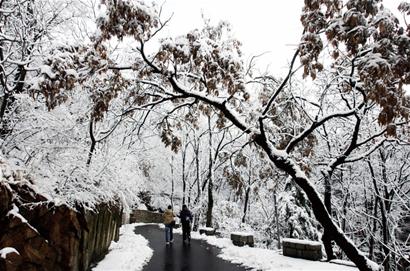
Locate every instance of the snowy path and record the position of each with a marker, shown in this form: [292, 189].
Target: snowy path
[199, 256]
[142, 247]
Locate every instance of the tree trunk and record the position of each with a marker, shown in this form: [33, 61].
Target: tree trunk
[383, 212]
[327, 236]
[3, 124]
[183, 176]
[4, 101]
[93, 142]
[247, 191]
[198, 183]
[278, 231]
[172, 181]
[210, 179]
[210, 204]
[374, 229]
[384, 202]
[245, 208]
[344, 210]
[289, 166]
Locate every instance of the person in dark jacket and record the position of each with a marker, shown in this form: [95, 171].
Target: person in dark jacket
[186, 219]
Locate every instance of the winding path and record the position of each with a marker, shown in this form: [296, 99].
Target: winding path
[198, 256]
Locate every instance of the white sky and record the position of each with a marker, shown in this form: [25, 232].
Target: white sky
[261, 25]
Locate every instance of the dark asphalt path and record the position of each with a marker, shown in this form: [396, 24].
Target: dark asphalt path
[198, 256]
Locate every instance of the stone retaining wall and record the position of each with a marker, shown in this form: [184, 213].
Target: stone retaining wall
[144, 216]
[304, 249]
[49, 237]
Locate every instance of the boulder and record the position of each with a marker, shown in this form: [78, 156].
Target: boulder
[11, 261]
[5, 199]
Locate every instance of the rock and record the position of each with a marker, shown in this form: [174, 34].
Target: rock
[5, 199]
[32, 247]
[11, 262]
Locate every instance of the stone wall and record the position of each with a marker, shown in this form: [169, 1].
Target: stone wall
[51, 237]
[144, 216]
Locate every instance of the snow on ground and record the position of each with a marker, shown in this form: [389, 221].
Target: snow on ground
[265, 259]
[130, 253]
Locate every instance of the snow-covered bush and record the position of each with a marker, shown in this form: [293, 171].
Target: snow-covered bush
[53, 146]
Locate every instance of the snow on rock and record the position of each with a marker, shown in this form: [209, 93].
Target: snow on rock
[16, 213]
[265, 259]
[130, 253]
[7, 250]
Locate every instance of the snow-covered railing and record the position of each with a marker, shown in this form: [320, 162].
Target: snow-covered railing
[305, 249]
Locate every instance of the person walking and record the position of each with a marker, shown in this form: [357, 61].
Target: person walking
[186, 219]
[169, 223]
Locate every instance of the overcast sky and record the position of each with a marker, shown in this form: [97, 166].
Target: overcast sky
[261, 25]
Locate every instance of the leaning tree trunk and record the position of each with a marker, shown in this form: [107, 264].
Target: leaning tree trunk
[319, 209]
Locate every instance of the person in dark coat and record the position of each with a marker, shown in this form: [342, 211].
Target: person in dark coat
[186, 219]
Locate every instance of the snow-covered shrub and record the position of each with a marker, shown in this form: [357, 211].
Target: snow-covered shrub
[54, 146]
[296, 215]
